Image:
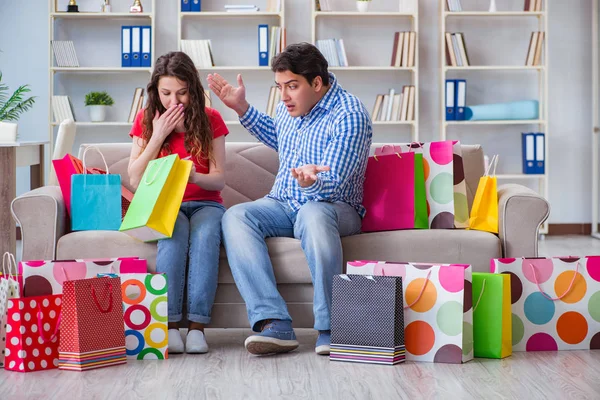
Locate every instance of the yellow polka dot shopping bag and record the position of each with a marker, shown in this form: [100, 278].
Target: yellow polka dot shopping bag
[555, 302]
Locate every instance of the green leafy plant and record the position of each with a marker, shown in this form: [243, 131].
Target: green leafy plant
[12, 106]
[98, 99]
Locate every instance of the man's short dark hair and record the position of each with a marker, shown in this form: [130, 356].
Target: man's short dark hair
[302, 59]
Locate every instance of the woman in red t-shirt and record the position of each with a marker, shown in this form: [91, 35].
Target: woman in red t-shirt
[176, 121]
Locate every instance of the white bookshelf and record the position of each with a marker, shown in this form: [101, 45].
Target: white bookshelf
[400, 75]
[65, 26]
[595, 117]
[449, 128]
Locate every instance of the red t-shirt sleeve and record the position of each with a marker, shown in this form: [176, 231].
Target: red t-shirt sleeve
[136, 129]
[216, 123]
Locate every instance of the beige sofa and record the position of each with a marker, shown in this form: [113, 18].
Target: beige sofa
[250, 173]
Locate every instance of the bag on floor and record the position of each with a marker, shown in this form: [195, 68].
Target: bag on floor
[9, 289]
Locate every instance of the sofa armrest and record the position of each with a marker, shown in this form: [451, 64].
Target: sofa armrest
[521, 212]
[42, 215]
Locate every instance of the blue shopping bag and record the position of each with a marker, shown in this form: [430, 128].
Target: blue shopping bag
[95, 200]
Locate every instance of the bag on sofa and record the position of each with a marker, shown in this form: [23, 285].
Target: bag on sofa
[484, 213]
[438, 315]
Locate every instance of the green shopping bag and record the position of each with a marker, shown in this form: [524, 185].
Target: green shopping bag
[492, 317]
[421, 215]
[155, 205]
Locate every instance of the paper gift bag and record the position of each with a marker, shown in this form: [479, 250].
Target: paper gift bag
[48, 277]
[9, 289]
[555, 302]
[461, 204]
[367, 319]
[95, 199]
[492, 321]
[438, 315]
[32, 333]
[146, 315]
[153, 211]
[389, 193]
[484, 213]
[92, 334]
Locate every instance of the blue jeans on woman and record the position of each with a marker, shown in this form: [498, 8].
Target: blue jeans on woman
[196, 243]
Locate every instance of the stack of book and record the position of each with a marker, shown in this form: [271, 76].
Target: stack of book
[403, 53]
[334, 52]
[274, 99]
[241, 8]
[534, 54]
[62, 109]
[394, 106]
[456, 50]
[276, 42]
[533, 5]
[136, 104]
[64, 53]
[199, 51]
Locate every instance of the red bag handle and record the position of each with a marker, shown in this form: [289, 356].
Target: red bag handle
[110, 301]
[41, 331]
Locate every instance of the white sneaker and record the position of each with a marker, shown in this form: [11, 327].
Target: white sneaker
[196, 342]
[175, 342]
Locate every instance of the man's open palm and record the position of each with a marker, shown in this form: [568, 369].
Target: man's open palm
[232, 97]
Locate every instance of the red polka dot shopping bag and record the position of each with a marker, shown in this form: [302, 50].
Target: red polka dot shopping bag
[555, 302]
[146, 315]
[438, 308]
[9, 289]
[33, 333]
[92, 334]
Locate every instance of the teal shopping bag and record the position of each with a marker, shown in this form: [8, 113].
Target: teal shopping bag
[95, 200]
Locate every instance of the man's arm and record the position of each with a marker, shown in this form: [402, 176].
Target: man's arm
[261, 126]
[344, 155]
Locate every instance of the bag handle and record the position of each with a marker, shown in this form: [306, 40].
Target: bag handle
[480, 295]
[6, 270]
[101, 155]
[110, 301]
[410, 146]
[493, 163]
[41, 331]
[422, 291]
[565, 293]
[158, 169]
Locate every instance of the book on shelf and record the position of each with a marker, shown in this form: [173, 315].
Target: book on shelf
[62, 109]
[394, 106]
[334, 52]
[275, 42]
[533, 5]
[64, 53]
[322, 5]
[455, 99]
[453, 5]
[274, 5]
[241, 8]
[273, 100]
[534, 53]
[456, 50]
[136, 104]
[199, 51]
[403, 52]
[533, 152]
[208, 98]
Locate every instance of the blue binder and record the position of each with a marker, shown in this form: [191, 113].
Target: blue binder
[540, 153]
[450, 100]
[263, 45]
[186, 6]
[528, 146]
[136, 46]
[460, 89]
[125, 46]
[146, 46]
[195, 5]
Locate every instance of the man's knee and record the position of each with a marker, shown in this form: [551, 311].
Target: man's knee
[234, 216]
[316, 213]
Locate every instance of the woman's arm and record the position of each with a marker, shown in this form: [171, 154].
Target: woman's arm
[215, 179]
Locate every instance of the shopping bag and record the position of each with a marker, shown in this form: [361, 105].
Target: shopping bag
[389, 192]
[367, 322]
[33, 333]
[92, 334]
[95, 199]
[492, 321]
[484, 213]
[145, 294]
[438, 314]
[555, 302]
[461, 203]
[47, 277]
[153, 211]
[9, 289]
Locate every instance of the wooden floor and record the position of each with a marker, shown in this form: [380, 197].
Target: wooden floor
[229, 372]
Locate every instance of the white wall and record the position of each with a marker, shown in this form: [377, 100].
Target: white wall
[24, 38]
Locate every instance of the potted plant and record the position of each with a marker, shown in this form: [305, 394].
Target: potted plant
[362, 5]
[11, 108]
[97, 103]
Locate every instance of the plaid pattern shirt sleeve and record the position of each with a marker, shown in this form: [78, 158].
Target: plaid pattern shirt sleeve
[345, 154]
[261, 126]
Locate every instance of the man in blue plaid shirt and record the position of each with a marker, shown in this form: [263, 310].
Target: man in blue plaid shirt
[322, 134]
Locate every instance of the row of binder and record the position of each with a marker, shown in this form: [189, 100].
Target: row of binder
[136, 46]
[534, 151]
[456, 99]
[191, 5]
